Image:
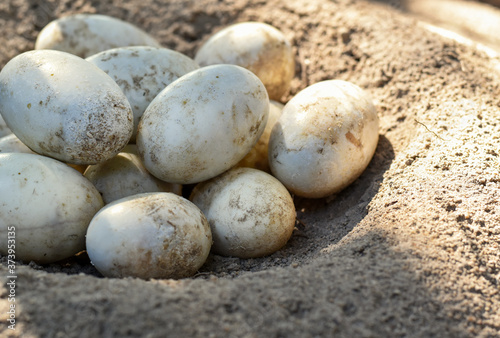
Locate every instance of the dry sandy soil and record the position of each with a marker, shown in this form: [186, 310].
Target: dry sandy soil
[411, 249]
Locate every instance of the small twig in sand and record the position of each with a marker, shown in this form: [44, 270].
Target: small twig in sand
[300, 222]
[439, 137]
[299, 232]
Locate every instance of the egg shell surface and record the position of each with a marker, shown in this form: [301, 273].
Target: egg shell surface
[12, 144]
[202, 124]
[324, 139]
[125, 175]
[4, 130]
[256, 46]
[257, 156]
[142, 72]
[88, 34]
[250, 212]
[64, 107]
[154, 235]
[47, 205]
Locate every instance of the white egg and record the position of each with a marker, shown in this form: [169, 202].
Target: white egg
[88, 34]
[250, 212]
[4, 130]
[324, 139]
[202, 124]
[155, 235]
[12, 144]
[64, 107]
[257, 46]
[125, 175]
[142, 72]
[45, 206]
[257, 156]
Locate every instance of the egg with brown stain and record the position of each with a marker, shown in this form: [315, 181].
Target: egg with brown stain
[256, 46]
[250, 212]
[64, 107]
[202, 124]
[153, 235]
[46, 205]
[324, 139]
[142, 72]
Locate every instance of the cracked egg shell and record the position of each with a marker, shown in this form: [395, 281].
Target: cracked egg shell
[153, 235]
[125, 175]
[142, 72]
[202, 124]
[64, 107]
[47, 204]
[250, 212]
[256, 46]
[88, 34]
[324, 139]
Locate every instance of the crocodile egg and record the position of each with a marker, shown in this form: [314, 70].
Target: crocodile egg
[257, 156]
[250, 212]
[152, 235]
[324, 139]
[125, 175]
[257, 46]
[202, 124]
[88, 34]
[64, 107]
[142, 72]
[47, 204]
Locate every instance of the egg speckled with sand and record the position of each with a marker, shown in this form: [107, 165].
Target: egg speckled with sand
[202, 124]
[257, 46]
[250, 212]
[153, 235]
[64, 107]
[47, 204]
[324, 139]
[142, 72]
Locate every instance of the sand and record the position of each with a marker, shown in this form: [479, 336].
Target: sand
[410, 249]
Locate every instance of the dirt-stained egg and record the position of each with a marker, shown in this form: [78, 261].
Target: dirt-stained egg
[250, 212]
[46, 205]
[64, 107]
[256, 46]
[12, 144]
[324, 139]
[154, 235]
[142, 72]
[202, 124]
[125, 175]
[88, 34]
[257, 156]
